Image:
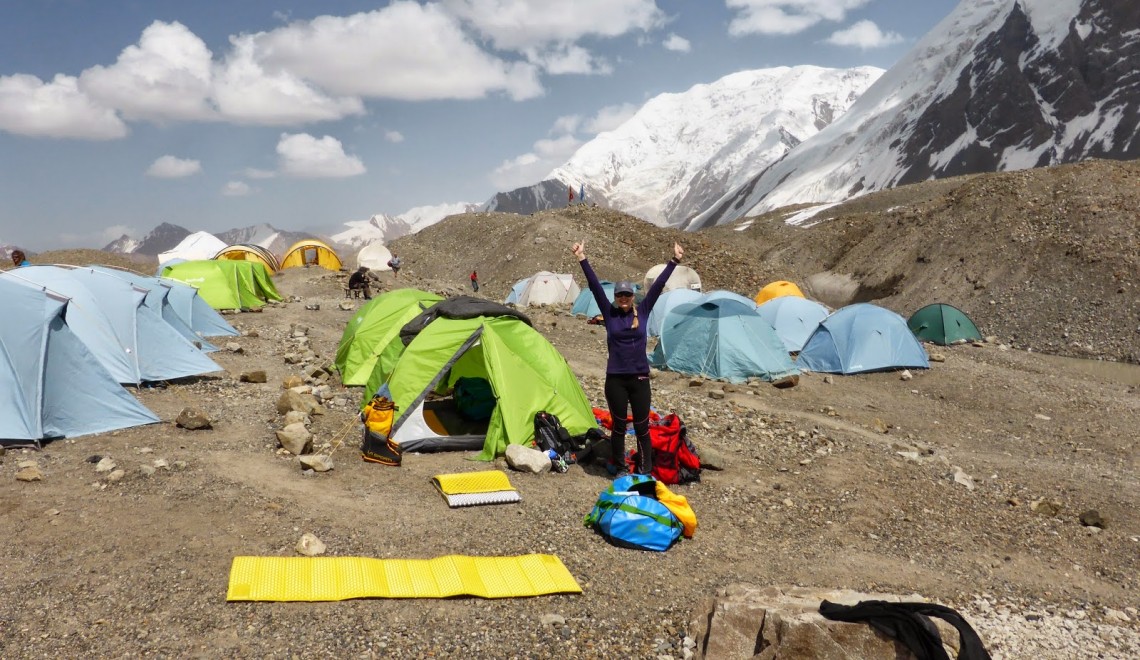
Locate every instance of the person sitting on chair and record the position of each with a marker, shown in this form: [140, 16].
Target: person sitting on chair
[359, 281]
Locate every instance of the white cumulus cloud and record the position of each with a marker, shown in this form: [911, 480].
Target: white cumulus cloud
[864, 35]
[676, 42]
[785, 16]
[171, 167]
[166, 76]
[521, 24]
[236, 189]
[394, 137]
[255, 173]
[58, 109]
[533, 166]
[404, 51]
[307, 157]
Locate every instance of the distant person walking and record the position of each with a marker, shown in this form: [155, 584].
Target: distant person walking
[475, 281]
[394, 264]
[19, 259]
[627, 369]
[360, 280]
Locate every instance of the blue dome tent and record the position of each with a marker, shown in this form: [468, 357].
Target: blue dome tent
[721, 339]
[861, 338]
[794, 319]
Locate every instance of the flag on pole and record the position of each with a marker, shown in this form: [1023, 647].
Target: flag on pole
[582, 194]
[571, 194]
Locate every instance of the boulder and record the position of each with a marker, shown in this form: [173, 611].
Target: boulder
[525, 459]
[291, 381]
[745, 621]
[296, 439]
[258, 376]
[316, 462]
[291, 400]
[193, 419]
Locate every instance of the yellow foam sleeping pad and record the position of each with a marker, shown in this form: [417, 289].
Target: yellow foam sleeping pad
[286, 579]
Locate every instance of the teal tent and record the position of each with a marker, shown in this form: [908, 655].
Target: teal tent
[665, 303]
[52, 385]
[943, 324]
[585, 303]
[794, 319]
[861, 338]
[721, 338]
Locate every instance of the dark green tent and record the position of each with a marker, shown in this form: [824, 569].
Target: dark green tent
[943, 324]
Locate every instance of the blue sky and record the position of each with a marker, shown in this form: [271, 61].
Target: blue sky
[117, 115]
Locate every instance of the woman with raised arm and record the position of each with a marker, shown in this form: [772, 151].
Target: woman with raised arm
[627, 369]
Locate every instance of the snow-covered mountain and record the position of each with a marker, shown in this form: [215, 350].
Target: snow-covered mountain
[385, 228]
[160, 239]
[997, 85]
[681, 152]
[263, 235]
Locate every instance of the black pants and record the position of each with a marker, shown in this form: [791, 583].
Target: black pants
[475, 285]
[624, 391]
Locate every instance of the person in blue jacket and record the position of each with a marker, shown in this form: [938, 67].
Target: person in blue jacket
[627, 369]
[19, 260]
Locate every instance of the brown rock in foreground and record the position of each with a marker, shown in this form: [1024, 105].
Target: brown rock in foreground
[745, 621]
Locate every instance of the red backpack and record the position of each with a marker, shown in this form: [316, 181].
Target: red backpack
[675, 459]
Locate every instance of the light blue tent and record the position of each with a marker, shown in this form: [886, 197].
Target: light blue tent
[794, 319]
[111, 317]
[516, 291]
[203, 319]
[158, 297]
[585, 303]
[861, 338]
[52, 385]
[665, 303]
[721, 338]
[722, 294]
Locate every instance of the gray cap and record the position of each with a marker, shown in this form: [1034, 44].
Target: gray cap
[624, 286]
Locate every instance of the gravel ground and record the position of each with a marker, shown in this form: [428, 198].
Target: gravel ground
[844, 482]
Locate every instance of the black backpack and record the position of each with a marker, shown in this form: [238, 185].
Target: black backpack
[550, 434]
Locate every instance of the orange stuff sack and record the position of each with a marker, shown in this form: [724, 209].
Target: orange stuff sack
[678, 505]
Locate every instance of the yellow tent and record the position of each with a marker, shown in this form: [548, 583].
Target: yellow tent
[248, 252]
[777, 289]
[311, 252]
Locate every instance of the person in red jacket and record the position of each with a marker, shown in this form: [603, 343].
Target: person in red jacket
[475, 281]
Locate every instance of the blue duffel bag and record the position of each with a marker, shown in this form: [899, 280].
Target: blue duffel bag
[629, 519]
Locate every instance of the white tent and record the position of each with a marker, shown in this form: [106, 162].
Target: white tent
[683, 277]
[546, 288]
[374, 256]
[196, 246]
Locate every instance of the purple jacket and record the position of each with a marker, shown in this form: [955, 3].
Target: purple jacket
[626, 343]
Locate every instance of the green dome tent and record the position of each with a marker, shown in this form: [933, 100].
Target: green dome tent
[371, 338]
[226, 284]
[525, 372]
[943, 324]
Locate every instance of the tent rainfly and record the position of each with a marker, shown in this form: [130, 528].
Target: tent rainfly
[311, 252]
[226, 284]
[721, 338]
[861, 338]
[53, 386]
[794, 319]
[943, 324]
[250, 252]
[777, 289]
[545, 288]
[683, 277]
[371, 340]
[124, 330]
[468, 337]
